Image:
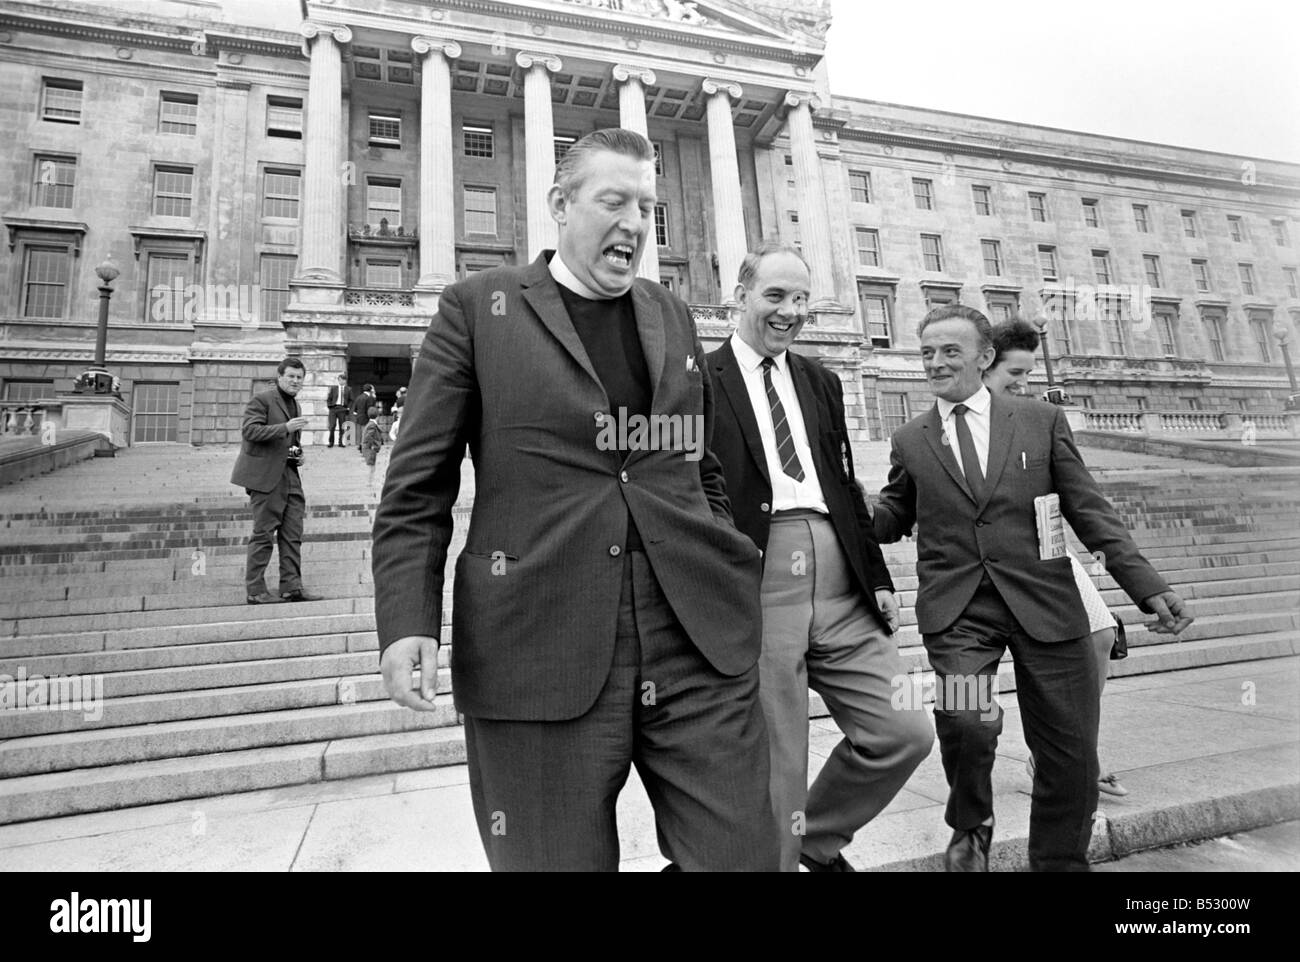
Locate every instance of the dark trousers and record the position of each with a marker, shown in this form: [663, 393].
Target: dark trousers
[359, 422]
[544, 792]
[277, 520]
[1058, 691]
[339, 417]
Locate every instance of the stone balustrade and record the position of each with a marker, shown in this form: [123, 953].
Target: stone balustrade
[1191, 424]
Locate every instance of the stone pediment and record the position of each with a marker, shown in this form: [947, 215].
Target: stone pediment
[773, 20]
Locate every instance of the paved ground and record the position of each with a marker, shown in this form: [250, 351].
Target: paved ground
[1194, 749]
[1272, 849]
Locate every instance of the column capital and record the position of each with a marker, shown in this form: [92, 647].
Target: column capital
[712, 85]
[527, 60]
[623, 72]
[426, 45]
[796, 98]
[311, 28]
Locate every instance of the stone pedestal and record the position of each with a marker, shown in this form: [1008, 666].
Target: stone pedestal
[1076, 417]
[105, 414]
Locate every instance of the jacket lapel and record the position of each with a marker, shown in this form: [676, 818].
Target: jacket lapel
[543, 295]
[932, 427]
[1002, 429]
[650, 329]
[288, 413]
[807, 401]
[731, 385]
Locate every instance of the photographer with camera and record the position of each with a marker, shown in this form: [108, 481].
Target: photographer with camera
[267, 468]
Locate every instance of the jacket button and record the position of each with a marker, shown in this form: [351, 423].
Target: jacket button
[615, 551]
[623, 477]
[980, 524]
[764, 507]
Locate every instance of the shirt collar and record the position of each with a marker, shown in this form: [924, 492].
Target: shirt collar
[567, 279]
[977, 402]
[749, 359]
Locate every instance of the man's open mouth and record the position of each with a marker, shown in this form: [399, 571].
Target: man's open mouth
[782, 327]
[620, 255]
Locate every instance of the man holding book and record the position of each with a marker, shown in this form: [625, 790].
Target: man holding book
[967, 473]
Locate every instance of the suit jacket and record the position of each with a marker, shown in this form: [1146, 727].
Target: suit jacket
[959, 539]
[332, 400]
[739, 447]
[536, 594]
[264, 451]
[362, 404]
[372, 438]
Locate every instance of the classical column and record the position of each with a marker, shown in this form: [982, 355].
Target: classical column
[437, 190]
[322, 189]
[539, 147]
[728, 216]
[814, 221]
[631, 115]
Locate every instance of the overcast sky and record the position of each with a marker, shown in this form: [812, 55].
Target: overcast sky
[1220, 76]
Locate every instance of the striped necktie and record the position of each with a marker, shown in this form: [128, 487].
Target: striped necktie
[785, 451]
[970, 462]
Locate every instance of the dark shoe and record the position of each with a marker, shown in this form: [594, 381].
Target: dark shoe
[301, 595]
[837, 864]
[265, 598]
[969, 850]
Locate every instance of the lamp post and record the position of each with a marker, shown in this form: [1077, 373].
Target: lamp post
[96, 379]
[1283, 335]
[1054, 394]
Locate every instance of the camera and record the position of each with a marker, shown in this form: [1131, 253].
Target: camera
[295, 456]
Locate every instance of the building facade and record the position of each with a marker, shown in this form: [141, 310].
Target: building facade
[307, 177]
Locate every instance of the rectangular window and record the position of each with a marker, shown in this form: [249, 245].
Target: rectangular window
[1110, 310]
[173, 191]
[46, 275]
[876, 315]
[385, 129]
[383, 273]
[275, 274]
[893, 412]
[1101, 266]
[178, 114]
[659, 158]
[281, 190]
[1292, 281]
[1201, 274]
[923, 193]
[868, 242]
[1141, 219]
[1236, 228]
[1001, 307]
[53, 180]
[1189, 223]
[1038, 207]
[1091, 212]
[932, 251]
[166, 277]
[1247, 273]
[983, 197]
[383, 202]
[991, 251]
[284, 117]
[1214, 334]
[796, 235]
[156, 409]
[61, 101]
[1151, 264]
[1047, 262]
[1167, 329]
[661, 225]
[480, 210]
[1280, 233]
[562, 144]
[1259, 326]
[26, 390]
[478, 141]
[859, 187]
[1137, 401]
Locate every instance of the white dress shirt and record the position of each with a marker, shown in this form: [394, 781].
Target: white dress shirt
[977, 419]
[566, 278]
[787, 493]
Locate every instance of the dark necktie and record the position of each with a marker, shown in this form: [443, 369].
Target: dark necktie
[970, 461]
[785, 451]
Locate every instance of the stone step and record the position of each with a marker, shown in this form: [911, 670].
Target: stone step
[166, 596]
[179, 617]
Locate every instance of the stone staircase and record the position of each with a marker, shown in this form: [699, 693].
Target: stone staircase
[203, 695]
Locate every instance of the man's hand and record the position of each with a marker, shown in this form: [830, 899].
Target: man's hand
[400, 660]
[887, 602]
[296, 424]
[1172, 614]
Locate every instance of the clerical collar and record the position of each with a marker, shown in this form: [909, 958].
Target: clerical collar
[567, 279]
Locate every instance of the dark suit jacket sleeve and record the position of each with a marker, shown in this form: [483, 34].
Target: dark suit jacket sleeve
[413, 523]
[715, 488]
[1095, 520]
[896, 510]
[255, 428]
[877, 570]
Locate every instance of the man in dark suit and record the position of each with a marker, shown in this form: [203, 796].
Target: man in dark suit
[605, 607]
[967, 472]
[339, 403]
[828, 601]
[267, 468]
[361, 406]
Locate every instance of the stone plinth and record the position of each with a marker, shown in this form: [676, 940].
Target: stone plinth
[105, 414]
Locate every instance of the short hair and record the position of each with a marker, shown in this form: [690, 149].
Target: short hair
[291, 361]
[343, 377]
[942, 313]
[749, 266]
[368, 389]
[1013, 335]
[374, 411]
[570, 173]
